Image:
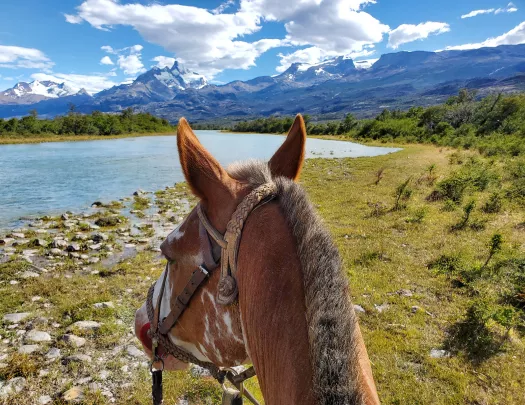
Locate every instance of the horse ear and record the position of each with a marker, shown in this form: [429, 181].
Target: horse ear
[289, 158]
[204, 174]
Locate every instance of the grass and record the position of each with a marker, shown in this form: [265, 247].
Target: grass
[20, 139]
[457, 299]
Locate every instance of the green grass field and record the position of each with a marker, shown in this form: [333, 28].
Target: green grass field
[418, 268]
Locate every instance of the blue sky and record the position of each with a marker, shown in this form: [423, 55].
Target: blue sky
[99, 43]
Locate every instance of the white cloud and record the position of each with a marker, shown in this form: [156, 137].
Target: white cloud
[73, 19]
[131, 64]
[92, 83]
[106, 60]
[129, 58]
[211, 41]
[409, 32]
[164, 61]
[515, 36]
[16, 57]
[314, 55]
[227, 4]
[511, 8]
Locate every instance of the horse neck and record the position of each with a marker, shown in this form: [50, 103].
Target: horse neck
[273, 308]
[272, 304]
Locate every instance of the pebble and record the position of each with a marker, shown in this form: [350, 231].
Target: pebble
[134, 352]
[381, 308]
[74, 341]
[38, 336]
[17, 317]
[107, 304]
[439, 353]
[14, 385]
[85, 325]
[53, 354]
[74, 394]
[29, 274]
[28, 349]
[80, 358]
[44, 399]
[359, 308]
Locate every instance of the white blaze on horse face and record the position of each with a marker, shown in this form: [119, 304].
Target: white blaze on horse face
[189, 347]
[176, 234]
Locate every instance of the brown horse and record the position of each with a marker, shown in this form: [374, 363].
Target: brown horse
[293, 318]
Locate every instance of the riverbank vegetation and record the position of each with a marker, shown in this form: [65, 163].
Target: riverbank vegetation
[432, 241]
[82, 126]
[494, 125]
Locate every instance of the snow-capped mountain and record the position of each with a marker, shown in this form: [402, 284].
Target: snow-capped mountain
[28, 93]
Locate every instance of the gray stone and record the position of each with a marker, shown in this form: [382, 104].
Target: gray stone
[74, 247]
[134, 352]
[59, 243]
[55, 252]
[53, 354]
[28, 349]
[16, 318]
[93, 260]
[18, 235]
[99, 237]
[197, 371]
[85, 325]
[382, 307]
[29, 274]
[13, 386]
[439, 353]
[107, 304]
[78, 358]
[97, 246]
[84, 257]
[44, 399]
[38, 336]
[74, 341]
[39, 242]
[405, 293]
[359, 308]
[80, 237]
[64, 217]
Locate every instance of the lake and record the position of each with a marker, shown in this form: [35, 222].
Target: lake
[54, 177]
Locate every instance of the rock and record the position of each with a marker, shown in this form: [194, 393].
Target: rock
[108, 221]
[20, 242]
[99, 237]
[55, 252]
[41, 231]
[53, 354]
[85, 325]
[143, 240]
[129, 245]
[143, 226]
[439, 353]
[44, 399]
[381, 308]
[80, 237]
[405, 293]
[139, 192]
[39, 242]
[28, 349]
[107, 304]
[74, 255]
[134, 352]
[16, 318]
[84, 381]
[18, 235]
[84, 257]
[104, 374]
[64, 217]
[59, 243]
[37, 336]
[197, 371]
[43, 373]
[359, 308]
[97, 246]
[415, 309]
[73, 394]
[93, 260]
[74, 247]
[77, 358]
[97, 204]
[13, 386]
[29, 274]
[74, 341]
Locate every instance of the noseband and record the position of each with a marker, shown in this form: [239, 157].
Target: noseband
[227, 291]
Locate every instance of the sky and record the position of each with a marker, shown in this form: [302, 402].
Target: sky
[96, 44]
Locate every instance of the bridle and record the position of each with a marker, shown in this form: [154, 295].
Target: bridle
[227, 293]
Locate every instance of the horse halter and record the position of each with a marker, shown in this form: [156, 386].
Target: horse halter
[227, 292]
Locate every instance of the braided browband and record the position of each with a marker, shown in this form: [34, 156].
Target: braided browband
[229, 243]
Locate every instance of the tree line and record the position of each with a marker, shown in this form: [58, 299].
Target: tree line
[96, 123]
[494, 124]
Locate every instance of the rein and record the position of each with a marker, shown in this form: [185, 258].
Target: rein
[227, 293]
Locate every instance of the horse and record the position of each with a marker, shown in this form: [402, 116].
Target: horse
[281, 302]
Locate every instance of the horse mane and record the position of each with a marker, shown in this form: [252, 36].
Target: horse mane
[330, 316]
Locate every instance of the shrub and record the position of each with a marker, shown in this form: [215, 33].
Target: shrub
[493, 205]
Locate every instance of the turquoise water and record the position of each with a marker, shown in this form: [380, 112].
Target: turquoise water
[51, 178]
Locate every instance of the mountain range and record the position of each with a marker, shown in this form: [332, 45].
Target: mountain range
[329, 89]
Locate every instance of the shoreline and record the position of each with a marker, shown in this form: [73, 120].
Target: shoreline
[74, 138]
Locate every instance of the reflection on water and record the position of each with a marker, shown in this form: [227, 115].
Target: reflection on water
[49, 178]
